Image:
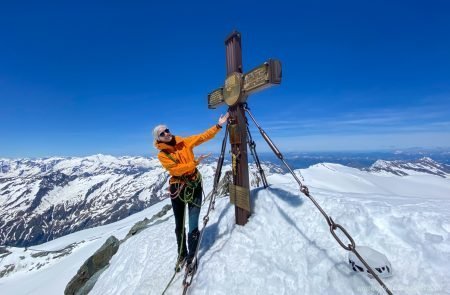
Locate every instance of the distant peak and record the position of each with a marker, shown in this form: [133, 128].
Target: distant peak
[424, 165]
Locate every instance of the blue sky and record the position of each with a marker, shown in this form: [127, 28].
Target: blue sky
[80, 78]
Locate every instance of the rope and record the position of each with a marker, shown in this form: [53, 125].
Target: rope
[179, 254]
[189, 190]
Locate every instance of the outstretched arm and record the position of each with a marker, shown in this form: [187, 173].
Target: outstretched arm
[196, 140]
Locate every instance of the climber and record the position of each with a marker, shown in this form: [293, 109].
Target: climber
[177, 157]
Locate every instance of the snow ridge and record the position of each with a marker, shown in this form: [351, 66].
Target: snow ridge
[424, 165]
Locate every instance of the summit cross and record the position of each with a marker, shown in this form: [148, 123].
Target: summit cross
[237, 88]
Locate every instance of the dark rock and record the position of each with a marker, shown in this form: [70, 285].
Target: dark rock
[143, 224]
[59, 253]
[8, 268]
[161, 213]
[3, 250]
[99, 260]
[137, 227]
[84, 290]
[40, 254]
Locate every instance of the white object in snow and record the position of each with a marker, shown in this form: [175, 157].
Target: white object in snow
[377, 261]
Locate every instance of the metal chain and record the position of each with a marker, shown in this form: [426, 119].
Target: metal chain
[304, 189]
[219, 168]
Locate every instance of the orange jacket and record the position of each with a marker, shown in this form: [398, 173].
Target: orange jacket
[183, 153]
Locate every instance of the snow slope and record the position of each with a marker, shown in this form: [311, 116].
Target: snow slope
[286, 247]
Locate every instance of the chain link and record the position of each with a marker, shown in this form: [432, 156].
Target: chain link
[333, 228]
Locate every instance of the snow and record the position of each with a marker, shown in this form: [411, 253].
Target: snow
[285, 248]
[422, 166]
[338, 178]
[53, 277]
[28, 167]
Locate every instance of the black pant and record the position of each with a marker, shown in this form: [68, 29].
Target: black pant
[179, 205]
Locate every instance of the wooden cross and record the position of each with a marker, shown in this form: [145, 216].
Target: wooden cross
[238, 86]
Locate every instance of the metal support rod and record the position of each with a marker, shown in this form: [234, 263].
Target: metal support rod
[277, 152]
[219, 168]
[216, 179]
[252, 146]
[272, 145]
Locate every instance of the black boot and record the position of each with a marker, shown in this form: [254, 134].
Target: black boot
[192, 244]
[181, 242]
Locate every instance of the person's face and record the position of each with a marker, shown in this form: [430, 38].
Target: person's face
[164, 135]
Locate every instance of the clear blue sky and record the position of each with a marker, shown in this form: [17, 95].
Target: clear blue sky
[86, 77]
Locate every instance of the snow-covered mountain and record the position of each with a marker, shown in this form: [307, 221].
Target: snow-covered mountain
[48, 198]
[424, 165]
[285, 248]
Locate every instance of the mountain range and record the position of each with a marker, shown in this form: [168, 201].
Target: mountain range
[44, 199]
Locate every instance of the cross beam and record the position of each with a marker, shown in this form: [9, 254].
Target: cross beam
[263, 76]
[238, 86]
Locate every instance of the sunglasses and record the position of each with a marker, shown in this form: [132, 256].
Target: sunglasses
[165, 131]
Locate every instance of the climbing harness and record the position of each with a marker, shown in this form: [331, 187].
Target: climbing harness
[186, 189]
[186, 184]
